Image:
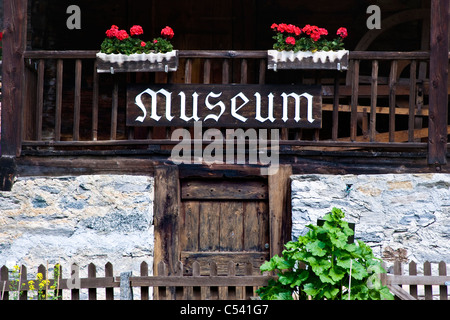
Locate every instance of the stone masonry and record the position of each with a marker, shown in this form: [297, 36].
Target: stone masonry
[98, 218]
[404, 217]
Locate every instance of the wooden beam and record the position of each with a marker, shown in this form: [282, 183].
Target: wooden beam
[437, 140]
[279, 209]
[14, 43]
[166, 212]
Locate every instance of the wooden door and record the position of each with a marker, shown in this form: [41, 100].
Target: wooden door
[220, 214]
[224, 220]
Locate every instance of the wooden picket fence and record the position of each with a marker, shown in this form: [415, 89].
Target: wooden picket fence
[164, 286]
[199, 286]
[414, 286]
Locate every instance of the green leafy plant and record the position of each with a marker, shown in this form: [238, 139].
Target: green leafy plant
[323, 265]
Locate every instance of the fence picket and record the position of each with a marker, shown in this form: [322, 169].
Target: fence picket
[428, 289]
[413, 272]
[92, 273]
[443, 293]
[109, 292]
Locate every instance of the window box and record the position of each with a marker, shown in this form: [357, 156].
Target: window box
[151, 62]
[330, 60]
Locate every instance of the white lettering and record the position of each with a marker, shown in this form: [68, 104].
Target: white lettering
[297, 106]
[269, 108]
[212, 106]
[234, 109]
[194, 107]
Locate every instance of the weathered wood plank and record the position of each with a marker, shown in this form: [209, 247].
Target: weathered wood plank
[209, 226]
[221, 259]
[223, 190]
[166, 216]
[13, 86]
[437, 140]
[256, 226]
[231, 226]
[279, 209]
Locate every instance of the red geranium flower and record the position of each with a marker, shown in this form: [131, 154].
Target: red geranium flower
[136, 30]
[290, 40]
[111, 33]
[342, 32]
[167, 32]
[122, 35]
[274, 26]
[143, 44]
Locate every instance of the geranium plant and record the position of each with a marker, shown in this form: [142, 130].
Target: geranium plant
[289, 37]
[323, 265]
[121, 42]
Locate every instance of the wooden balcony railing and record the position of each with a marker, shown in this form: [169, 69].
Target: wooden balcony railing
[380, 102]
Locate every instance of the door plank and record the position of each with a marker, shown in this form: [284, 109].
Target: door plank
[209, 239]
[256, 226]
[231, 226]
[223, 190]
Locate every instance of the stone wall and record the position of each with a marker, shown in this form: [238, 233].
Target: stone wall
[98, 218]
[404, 217]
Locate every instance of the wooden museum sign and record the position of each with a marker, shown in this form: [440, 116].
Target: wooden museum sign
[232, 106]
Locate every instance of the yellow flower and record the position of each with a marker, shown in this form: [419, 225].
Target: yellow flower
[16, 268]
[39, 276]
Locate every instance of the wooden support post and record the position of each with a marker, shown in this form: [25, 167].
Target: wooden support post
[280, 209]
[14, 43]
[166, 212]
[437, 138]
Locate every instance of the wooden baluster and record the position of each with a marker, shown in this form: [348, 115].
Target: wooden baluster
[95, 93]
[412, 100]
[77, 101]
[392, 99]
[207, 71]
[373, 101]
[244, 71]
[262, 71]
[59, 94]
[335, 125]
[40, 99]
[354, 101]
[226, 71]
[115, 106]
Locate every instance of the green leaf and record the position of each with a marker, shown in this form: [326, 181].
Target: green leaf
[286, 278]
[301, 277]
[310, 290]
[386, 294]
[358, 271]
[337, 273]
[317, 248]
[331, 293]
[344, 263]
[326, 279]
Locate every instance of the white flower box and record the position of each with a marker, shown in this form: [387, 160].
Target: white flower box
[142, 62]
[331, 60]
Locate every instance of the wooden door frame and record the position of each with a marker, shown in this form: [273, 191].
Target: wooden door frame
[167, 206]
